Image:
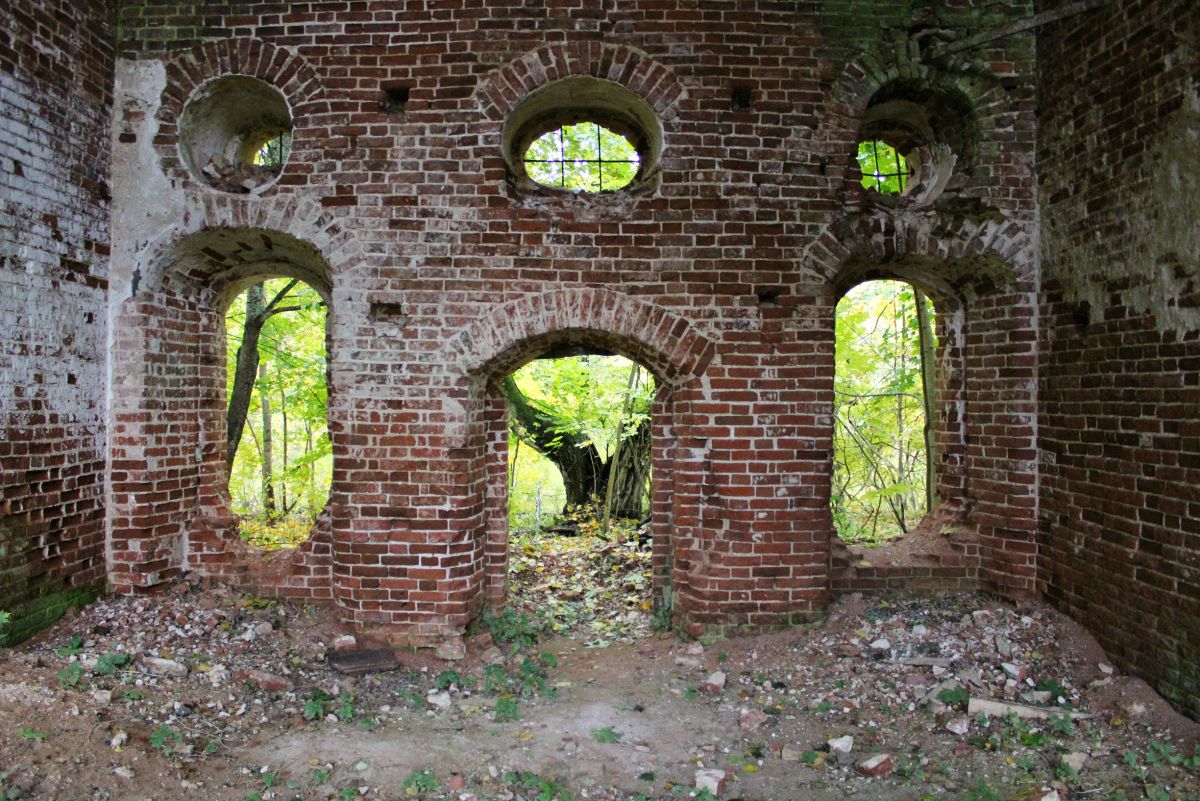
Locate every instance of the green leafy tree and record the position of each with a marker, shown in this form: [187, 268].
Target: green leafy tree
[881, 483]
[279, 448]
[883, 168]
[583, 157]
[587, 414]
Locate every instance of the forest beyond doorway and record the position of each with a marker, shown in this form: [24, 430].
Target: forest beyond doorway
[579, 495]
[884, 412]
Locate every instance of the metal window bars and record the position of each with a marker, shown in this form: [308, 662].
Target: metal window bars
[562, 161]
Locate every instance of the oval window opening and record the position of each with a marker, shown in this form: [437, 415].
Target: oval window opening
[583, 157]
[883, 168]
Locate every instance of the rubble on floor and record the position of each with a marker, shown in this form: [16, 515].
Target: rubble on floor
[204, 693]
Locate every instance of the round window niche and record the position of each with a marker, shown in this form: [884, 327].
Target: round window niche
[909, 149]
[583, 135]
[235, 134]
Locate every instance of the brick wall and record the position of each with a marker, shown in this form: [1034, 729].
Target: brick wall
[56, 66]
[1119, 171]
[443, 274]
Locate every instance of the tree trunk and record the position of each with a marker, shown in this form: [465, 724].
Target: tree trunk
[283, 496]
[268, 488]
[616, 462]
[584, 473]
[258, 311]
[244, 374]
[928, 392]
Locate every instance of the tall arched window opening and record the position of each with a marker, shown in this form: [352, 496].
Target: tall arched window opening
[579, 494]
[279, 458]
[884, 407]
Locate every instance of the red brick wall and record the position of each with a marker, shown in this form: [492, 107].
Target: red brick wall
[1119, 426]
[442, 276]
[56, 66]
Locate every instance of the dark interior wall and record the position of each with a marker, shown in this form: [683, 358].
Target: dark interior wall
[56, 69]
[1119, 394]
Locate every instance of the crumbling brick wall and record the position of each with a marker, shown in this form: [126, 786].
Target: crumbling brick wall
[443, 272]
[1119, 432]
[56, 61]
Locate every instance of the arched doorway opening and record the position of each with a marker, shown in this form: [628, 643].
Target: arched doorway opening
[885, 412]
[579, 494]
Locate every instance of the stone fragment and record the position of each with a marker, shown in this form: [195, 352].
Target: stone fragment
[1046, 795]
[345, 643]
[712, 780]
[119, 739]
[102, 697]
[1013, 671]
[164, 667]
[1036, 697]
[267, 682]
[439, 700]
[218, 675]
[919, 630]
[791, 753]
[752, 720]
[452, 649]
[714, 683]
[695, 649]
[688, 662]
[840, 747]
[959, 726]
[882, 644]
[876, 767]
[1074, 760]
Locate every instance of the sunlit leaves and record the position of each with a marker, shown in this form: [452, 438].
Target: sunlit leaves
[883, 168]
[584, 157]
[292, 348]
[587, 394]
[879, 457]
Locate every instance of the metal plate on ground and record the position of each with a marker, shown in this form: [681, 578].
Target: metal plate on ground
[360, 661]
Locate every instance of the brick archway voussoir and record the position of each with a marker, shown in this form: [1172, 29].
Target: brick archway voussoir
[666, 343]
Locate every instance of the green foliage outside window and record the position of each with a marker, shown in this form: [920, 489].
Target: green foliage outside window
[587, 394]
[883, 168]
[274, 152]
[879, 450]
[584, 157]
[291, 377]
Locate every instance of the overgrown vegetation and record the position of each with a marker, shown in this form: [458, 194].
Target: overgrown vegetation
[279, 450]
[583, 157]
[580, 435]
[883, 388]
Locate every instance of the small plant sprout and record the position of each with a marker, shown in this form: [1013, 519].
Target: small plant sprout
[606, 735]
[421, 781]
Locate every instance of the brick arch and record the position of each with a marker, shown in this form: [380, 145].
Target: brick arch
[833, 144]
[894, 60]
[312, 233]
[514, 332]
[284, 69]
[963, 256]
[630, 67]
[169, 393]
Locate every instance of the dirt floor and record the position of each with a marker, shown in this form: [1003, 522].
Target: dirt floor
[203, 693]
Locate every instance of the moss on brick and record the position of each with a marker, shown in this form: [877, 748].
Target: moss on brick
[34, 615]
